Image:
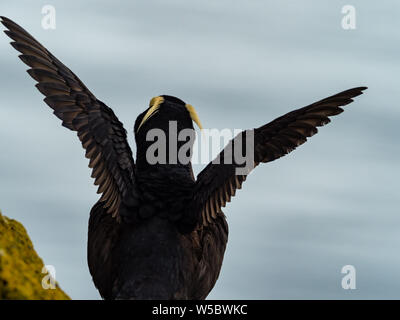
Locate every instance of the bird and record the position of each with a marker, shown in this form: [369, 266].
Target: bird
[158, 232]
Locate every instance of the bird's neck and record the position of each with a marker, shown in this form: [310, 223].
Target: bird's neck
[170, 181]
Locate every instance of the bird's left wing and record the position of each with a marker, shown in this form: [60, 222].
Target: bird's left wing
[99, 130]
[218, 182]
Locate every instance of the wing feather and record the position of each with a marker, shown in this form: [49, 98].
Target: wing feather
[101, 133]
[217, 183]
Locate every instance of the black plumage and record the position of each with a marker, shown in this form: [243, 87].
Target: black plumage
[156, 231]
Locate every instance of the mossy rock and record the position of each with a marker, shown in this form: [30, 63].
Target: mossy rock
[20, 267]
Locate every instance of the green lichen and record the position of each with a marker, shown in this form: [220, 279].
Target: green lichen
[20, 267]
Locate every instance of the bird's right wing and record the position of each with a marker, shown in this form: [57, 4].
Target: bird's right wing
[218, 182]
[100, 131]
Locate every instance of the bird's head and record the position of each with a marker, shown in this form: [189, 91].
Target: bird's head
[164, 132]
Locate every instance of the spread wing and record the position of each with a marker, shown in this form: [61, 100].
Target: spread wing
[217, 183]
[99, 130]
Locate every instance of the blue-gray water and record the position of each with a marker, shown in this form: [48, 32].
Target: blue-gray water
[298, 220]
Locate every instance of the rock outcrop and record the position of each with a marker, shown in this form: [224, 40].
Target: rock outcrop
[21, 268]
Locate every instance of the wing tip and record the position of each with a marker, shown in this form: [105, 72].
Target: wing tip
[347, 96]
[6, 21]
[354, 92]
[361, 89]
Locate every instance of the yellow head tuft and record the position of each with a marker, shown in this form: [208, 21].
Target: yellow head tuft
[155, 104]
[193, 115]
